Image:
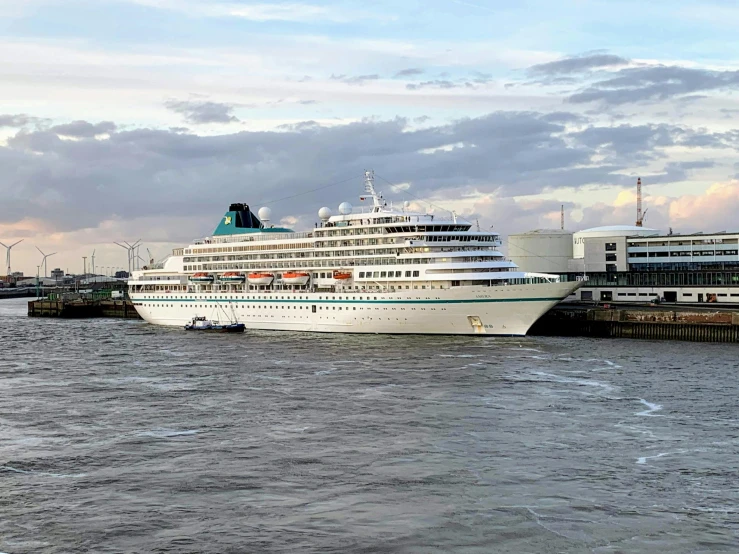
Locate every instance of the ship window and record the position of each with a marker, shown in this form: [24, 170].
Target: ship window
[361, 274]
[415, 273]
[383, 274]
[407, 273]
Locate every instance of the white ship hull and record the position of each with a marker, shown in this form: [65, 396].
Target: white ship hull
[502, 310]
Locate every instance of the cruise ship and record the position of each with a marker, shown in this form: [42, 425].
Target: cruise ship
[380, 269]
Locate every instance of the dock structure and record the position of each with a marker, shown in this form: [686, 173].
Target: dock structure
[74, 306]
[17, 293]
[640, 322]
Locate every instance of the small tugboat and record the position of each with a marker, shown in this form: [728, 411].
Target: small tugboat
[202, 324]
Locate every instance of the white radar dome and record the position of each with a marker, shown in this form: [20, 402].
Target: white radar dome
[345, 208]
[324, 213]
[407, 204]
[265, 214]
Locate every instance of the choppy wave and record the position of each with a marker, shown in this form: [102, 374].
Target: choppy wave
[118, 436]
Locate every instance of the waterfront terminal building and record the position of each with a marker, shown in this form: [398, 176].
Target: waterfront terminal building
[627, 263]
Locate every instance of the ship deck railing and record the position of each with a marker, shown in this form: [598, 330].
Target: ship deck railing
[255, 237]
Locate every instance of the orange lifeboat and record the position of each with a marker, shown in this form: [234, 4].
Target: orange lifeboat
[261, 278]
[201, 278]
[342, 275]
[295, 277]
[232, 277]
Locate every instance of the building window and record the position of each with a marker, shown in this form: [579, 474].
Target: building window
[611, 268]
[610, 257]
[610, 247]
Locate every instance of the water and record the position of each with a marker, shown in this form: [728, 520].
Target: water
[118, 436]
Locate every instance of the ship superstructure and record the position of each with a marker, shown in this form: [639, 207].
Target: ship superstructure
[380, 269]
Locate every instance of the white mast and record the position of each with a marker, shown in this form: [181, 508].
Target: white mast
[369, 187]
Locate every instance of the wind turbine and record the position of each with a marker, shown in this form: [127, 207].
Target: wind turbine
[43, 261]
[7, 258]
[131, 249]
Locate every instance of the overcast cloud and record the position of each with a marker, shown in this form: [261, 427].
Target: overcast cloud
[150, 172]
[151, 129]
[655, 83]
[200, 112]
[577, 64]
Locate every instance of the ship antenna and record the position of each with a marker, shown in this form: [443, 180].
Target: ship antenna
[369, 187]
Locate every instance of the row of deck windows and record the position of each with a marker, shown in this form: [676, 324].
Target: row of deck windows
[386, 274]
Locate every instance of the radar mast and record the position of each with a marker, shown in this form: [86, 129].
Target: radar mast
[369, 187]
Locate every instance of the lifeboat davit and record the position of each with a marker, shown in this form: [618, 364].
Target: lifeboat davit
[261, 278]
[233, 277]
[342, 275]
[201, 277]
[295, 277]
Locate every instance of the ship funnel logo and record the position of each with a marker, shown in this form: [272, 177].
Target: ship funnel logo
[227, 220]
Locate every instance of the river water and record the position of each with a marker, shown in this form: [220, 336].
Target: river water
[119, 436]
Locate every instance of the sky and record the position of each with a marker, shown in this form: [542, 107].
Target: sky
[144, 119]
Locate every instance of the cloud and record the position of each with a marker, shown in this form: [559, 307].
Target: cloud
[437, 83]
[83, 129]
[410, 72]
[511, 215]
[684, 214]
[295, 12]
[200, 112]
[355, 80]
[17, 120]
[476, 78]
[655, 83]
[720, 203]
[577, 64]
[510, 158]
[181, 175]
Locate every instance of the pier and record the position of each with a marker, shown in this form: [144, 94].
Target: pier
[697, 324]
[17, 293]
[82, 306]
